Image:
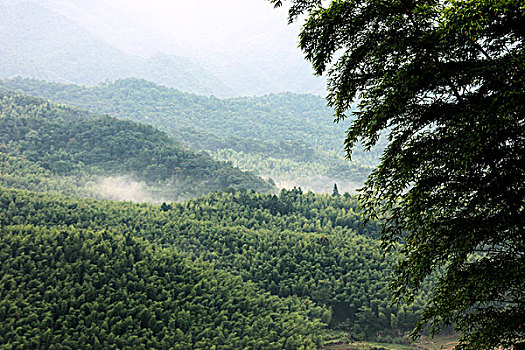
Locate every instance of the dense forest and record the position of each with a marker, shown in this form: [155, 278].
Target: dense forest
[94, 288]
[46, 146]
[287, 137]
[149, 200]
[304, 246]
[88, 273]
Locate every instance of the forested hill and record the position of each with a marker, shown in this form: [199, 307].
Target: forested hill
[82, 286]
[46, 146]
[289, 137]
[276, 117]
[306, 246]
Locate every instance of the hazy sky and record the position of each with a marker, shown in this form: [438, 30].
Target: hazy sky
[215, 22]
[236, 39]
[204, 24]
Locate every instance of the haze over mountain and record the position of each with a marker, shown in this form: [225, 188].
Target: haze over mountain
[232, 48]
[37, 42]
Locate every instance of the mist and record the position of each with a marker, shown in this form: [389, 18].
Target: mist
[124, 188]
[318, 184]
[247, 44]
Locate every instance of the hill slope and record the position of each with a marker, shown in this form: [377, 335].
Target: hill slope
[74, 288]
[288, 137]
[66, 149]
[304, 246]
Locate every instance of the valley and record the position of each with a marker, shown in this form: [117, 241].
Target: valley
[306, 256]
[287, 137]
[48, 146]
[172, 176]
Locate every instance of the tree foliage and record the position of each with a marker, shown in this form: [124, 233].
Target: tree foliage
[48, 142]
[286, 136]
[305, 246]
[446, 81]
[68, 288]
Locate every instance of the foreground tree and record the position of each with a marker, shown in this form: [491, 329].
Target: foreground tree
[446, 81]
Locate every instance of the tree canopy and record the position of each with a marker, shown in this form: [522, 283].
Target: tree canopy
[309, 247]
[73, 151]
[287, 137]
[445, 80]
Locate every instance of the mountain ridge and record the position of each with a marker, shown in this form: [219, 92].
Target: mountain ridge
[56, 141]
[40, 43]
[288, 137]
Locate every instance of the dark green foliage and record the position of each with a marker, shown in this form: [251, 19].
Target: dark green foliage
[287, 137]
[292, 245]
[64, 141]
[335, 192]
[446, 79]
[244, 119]
[67, 288]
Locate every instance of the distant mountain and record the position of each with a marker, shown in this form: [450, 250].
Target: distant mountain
[45, 146]
[288, 137]
[245, 43]
[39, 43]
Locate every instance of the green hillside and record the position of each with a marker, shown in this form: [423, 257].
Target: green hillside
[45, 146]
[306, 246]
[290, 138]
[68, 288]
